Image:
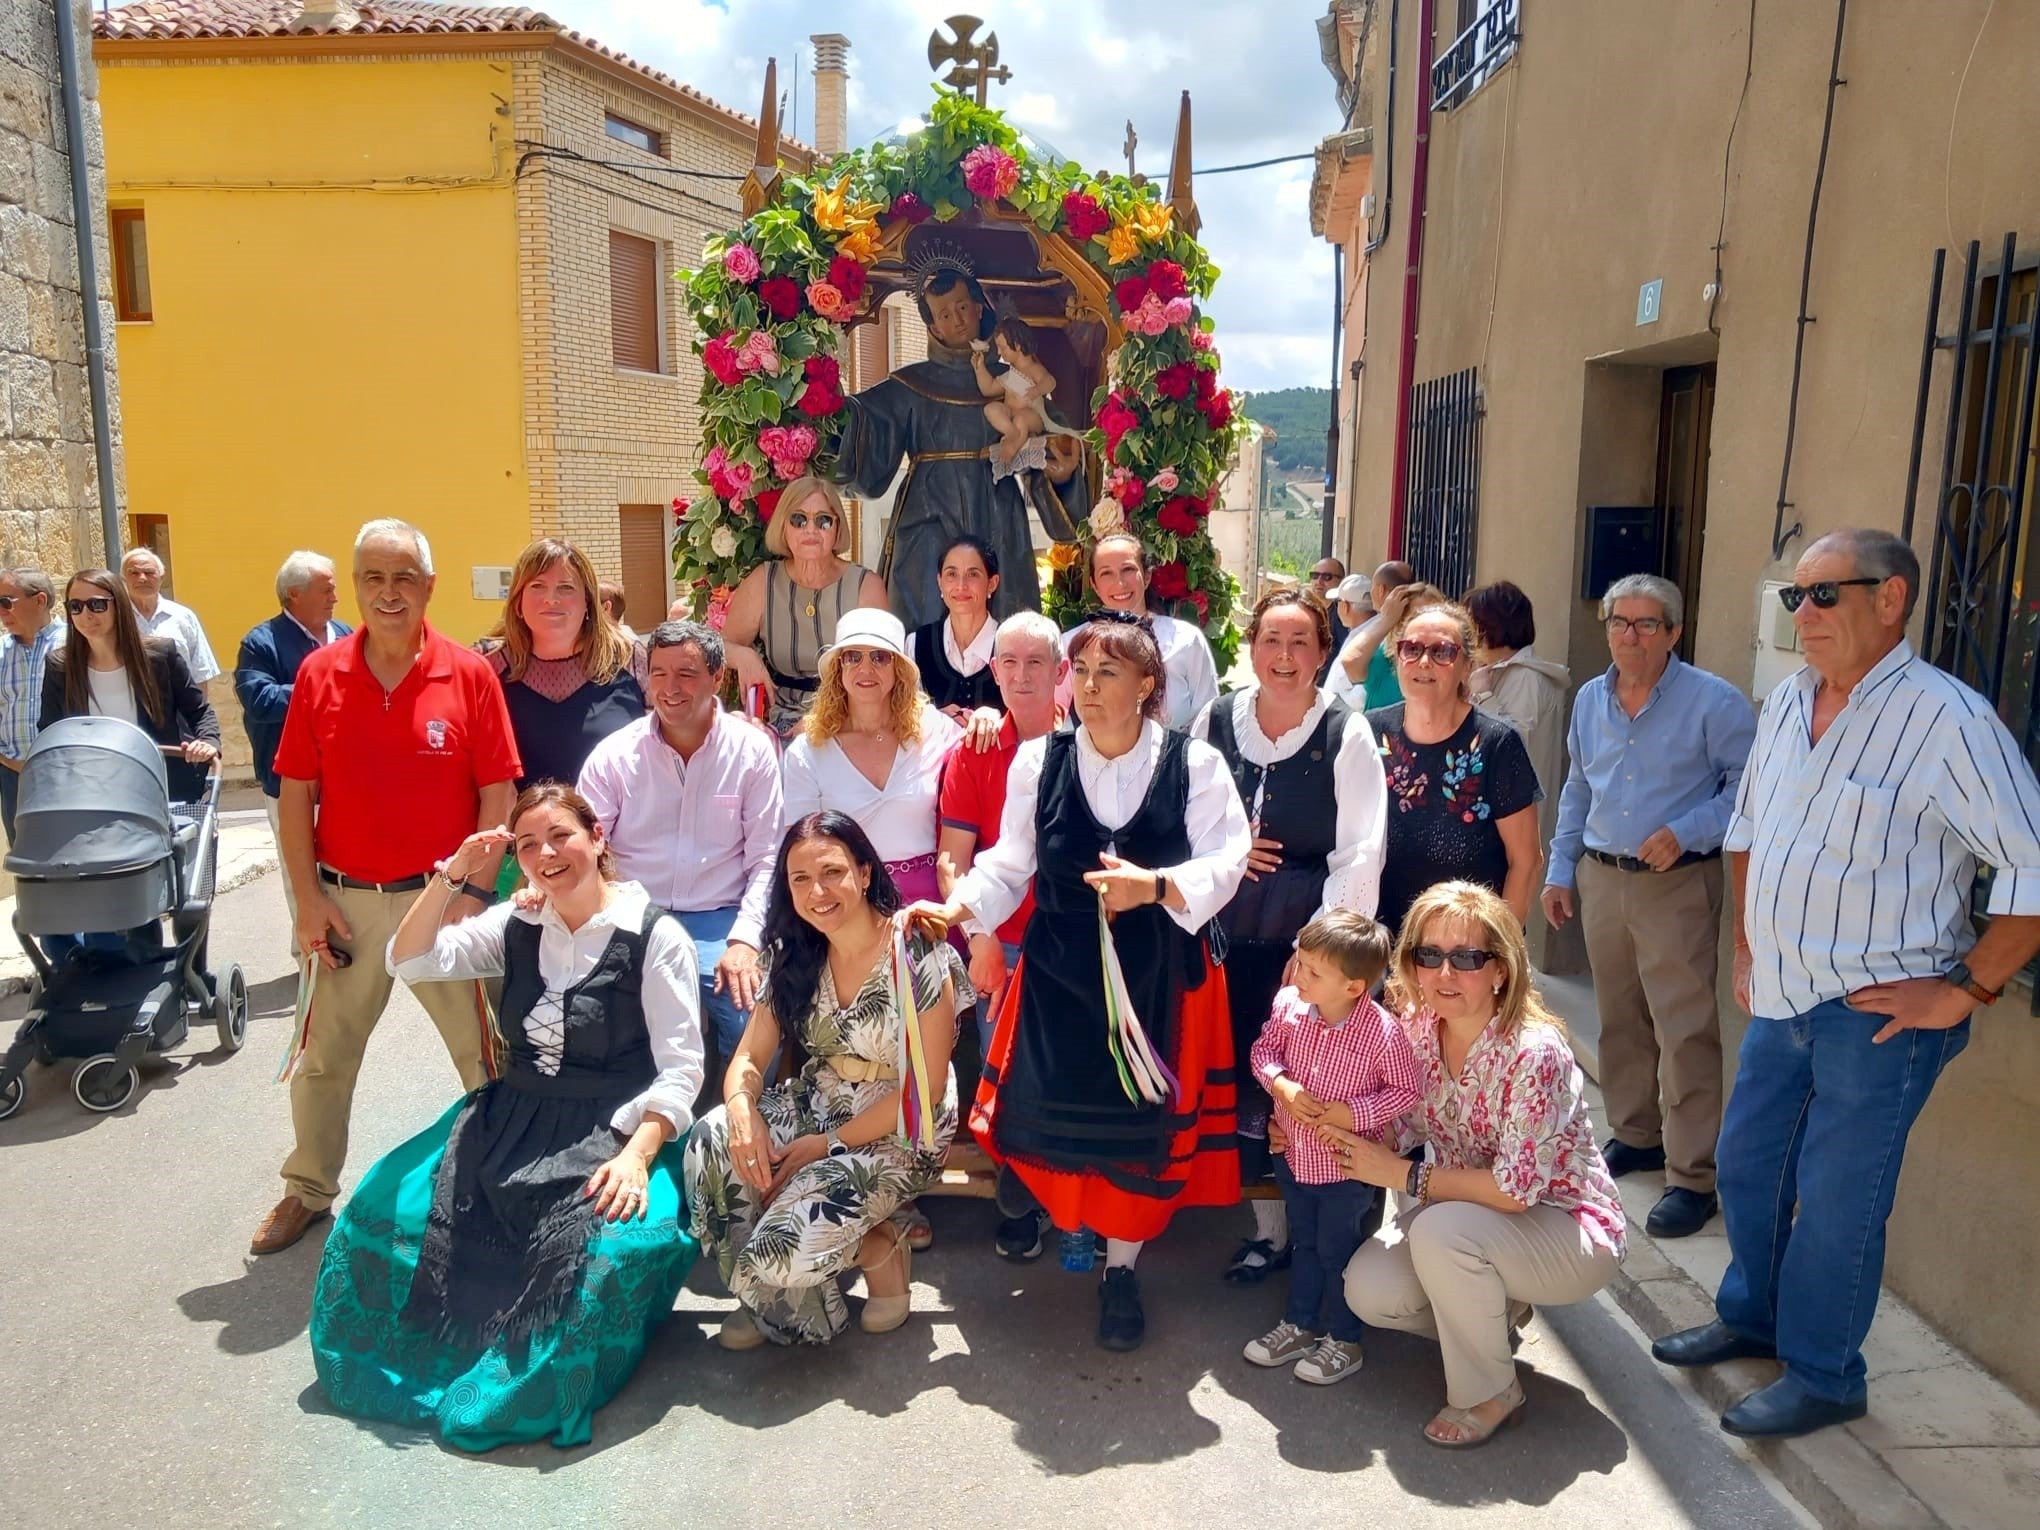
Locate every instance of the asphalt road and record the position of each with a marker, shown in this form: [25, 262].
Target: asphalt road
[152, 1373]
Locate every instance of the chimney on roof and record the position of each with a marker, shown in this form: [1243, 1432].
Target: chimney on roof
[325, 16]
[832, 84]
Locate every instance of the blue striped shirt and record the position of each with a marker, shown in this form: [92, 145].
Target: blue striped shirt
[21, 677]
[1864, 847]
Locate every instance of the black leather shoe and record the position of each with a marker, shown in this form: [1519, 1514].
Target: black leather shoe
[1623, 1159]
[1709, 1344]
[1121, 1323]
[1255, 1260]
[1680, 1213]
[1020, 1238]
[1785, 1408]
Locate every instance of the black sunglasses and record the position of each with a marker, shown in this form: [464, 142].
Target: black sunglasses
[822, 522]
[1824, 593]
[98, 605]
[1465, 959]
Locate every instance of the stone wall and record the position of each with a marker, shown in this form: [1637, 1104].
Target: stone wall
[49, 493]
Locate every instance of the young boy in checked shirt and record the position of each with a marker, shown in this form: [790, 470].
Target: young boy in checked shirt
[1328, 1053]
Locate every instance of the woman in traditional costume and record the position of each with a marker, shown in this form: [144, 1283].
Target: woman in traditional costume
[795, 1187]
[496, 1277]
[1108, 1093]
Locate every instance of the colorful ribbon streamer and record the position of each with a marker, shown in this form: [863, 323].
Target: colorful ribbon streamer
[301, 1025]
[916, 1118]
[1142, 1073]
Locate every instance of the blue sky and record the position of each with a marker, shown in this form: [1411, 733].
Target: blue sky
[1081, 70]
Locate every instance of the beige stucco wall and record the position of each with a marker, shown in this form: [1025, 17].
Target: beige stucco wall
[1592, 163]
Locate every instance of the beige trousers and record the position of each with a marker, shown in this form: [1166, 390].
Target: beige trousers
[1454, 1274]
[346, 1004]
[1652, 940]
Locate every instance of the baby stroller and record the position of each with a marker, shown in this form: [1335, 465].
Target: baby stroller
[98, 846]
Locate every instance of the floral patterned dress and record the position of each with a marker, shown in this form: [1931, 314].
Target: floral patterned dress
[1517, 1109]
[785, 1261]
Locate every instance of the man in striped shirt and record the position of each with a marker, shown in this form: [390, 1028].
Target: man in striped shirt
[1877, 787]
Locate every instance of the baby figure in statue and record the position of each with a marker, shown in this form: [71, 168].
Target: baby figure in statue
[1019, 393]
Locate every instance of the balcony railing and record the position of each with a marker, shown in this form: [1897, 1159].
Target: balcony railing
[1477, 53]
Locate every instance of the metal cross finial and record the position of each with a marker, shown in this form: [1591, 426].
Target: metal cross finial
[976, 63]
[1127, 148]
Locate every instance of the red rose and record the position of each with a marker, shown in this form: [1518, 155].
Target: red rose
[780, 294]
[1130, 491]
[720, 358]
[1165, 280]
[912, 208]
[817, 402]
[1130, 293]
[1083, 218]
[1177, 518]
[823, 370]
[1202, 602]
[847, 277]
[1170, 581]
[767, 503]
[1200, 505]
[1116, 419]
[1218, 413]
[1207, 384]
[1176, 381]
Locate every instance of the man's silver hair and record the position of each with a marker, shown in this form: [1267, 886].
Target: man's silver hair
[1646, 587]
[32, 581]
[142, 552]
[297, 572]
[1032, 624]
[1878, 555]
[389, 526]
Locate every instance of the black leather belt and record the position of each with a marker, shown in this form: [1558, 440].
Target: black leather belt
[792, 682]
[1631, 863]
[402, 885]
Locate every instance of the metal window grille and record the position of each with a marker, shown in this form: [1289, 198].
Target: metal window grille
[1444, 484]
[1479, 50]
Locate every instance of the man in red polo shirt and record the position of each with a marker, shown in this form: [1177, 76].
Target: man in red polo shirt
[402, 740]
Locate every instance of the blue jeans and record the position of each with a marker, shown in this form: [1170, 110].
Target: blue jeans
[1327, 1225]
[721, 1021]
[1818, 1118]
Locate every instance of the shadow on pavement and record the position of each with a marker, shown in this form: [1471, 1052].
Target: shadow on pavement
[267, 1305]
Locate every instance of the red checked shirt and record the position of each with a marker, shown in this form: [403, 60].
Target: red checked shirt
[1365, 1061]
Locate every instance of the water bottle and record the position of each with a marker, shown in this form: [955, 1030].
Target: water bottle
[1079, 1251]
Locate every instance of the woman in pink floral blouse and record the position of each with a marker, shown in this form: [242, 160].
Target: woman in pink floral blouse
[1512, 1203]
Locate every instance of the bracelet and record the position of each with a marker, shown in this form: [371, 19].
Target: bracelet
[1424, 1183]
[1416, 1176]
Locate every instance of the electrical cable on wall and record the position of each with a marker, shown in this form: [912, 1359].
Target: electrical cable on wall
[1727, 149]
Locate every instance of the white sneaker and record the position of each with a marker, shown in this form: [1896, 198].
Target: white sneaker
[1330, 1360]
[1279, 1345]
[740, 1331]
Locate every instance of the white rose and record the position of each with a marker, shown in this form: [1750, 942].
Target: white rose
[1107, 517]
[723, 543]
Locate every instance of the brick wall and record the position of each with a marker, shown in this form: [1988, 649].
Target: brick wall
[49, 482]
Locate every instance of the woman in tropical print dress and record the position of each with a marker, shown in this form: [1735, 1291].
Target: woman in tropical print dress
[497, 1276]
[794, 1187]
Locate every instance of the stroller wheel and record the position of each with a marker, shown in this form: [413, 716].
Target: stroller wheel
[230, 1009]
[12, 1095]
[100, 1086]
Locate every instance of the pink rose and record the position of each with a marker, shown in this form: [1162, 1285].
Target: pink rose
[1166, 480]
[759, 354]
[1177, 310]
[826, 300]
[1200, 340]
[740, 475]
[740, 264]
[990, 172]
[1151, 318]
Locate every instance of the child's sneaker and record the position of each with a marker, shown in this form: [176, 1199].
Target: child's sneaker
[1279, 1345]
[1330, 1360]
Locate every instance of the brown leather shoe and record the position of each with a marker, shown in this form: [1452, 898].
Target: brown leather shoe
[287, 1222]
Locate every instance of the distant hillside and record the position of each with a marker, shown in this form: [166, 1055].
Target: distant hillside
[1300, 417]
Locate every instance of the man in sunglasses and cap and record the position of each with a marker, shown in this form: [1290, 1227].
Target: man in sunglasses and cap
[1877, 788]
[1657, 751]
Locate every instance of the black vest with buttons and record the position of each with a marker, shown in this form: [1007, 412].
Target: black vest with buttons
[1299, 806]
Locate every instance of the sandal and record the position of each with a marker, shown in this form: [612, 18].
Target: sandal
[882, 1314]
[912, 1221]
[1472, 1432]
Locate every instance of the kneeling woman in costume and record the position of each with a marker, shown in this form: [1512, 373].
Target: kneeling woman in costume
[1109, 1089]
[497, 1276]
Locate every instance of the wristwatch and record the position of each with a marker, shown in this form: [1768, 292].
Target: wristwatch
[1161, 888]
[1959, 976]
[837, 1146]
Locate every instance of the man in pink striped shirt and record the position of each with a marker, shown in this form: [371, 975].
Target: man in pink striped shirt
[1328, 1054]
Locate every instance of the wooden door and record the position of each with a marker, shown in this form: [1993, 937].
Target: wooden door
[1685, 423]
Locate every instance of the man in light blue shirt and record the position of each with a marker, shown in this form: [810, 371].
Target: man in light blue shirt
[28, 601]
[1658, 749]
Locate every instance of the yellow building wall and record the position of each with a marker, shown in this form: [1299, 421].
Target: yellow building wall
[333, 262]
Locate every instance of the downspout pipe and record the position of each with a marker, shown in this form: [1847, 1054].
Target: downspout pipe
[1413, 277]
[69, 85]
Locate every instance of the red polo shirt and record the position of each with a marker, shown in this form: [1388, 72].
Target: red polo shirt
[974, 799]
[399, 775]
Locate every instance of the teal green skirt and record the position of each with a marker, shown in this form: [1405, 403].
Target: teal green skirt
[374, 1366]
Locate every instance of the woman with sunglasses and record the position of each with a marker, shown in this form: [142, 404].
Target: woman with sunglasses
[1511, 1205]
[106, 667]
[1463, 790]
[790, 604]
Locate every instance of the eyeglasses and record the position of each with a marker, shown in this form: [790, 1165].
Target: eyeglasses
[800, 520]
[1317, 578]
[1642, 626]
[98, 605]
[1465, 959]
[1823, 592]
[1409, 650]
[852, 657]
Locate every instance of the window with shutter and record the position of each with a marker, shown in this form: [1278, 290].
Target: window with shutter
[634, 301]
[131, 301]
[641, 529]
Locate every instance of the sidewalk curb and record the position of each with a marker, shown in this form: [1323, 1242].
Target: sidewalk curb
[1836, 1478]
[12, 983]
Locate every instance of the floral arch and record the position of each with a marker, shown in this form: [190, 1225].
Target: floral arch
[773, 300]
